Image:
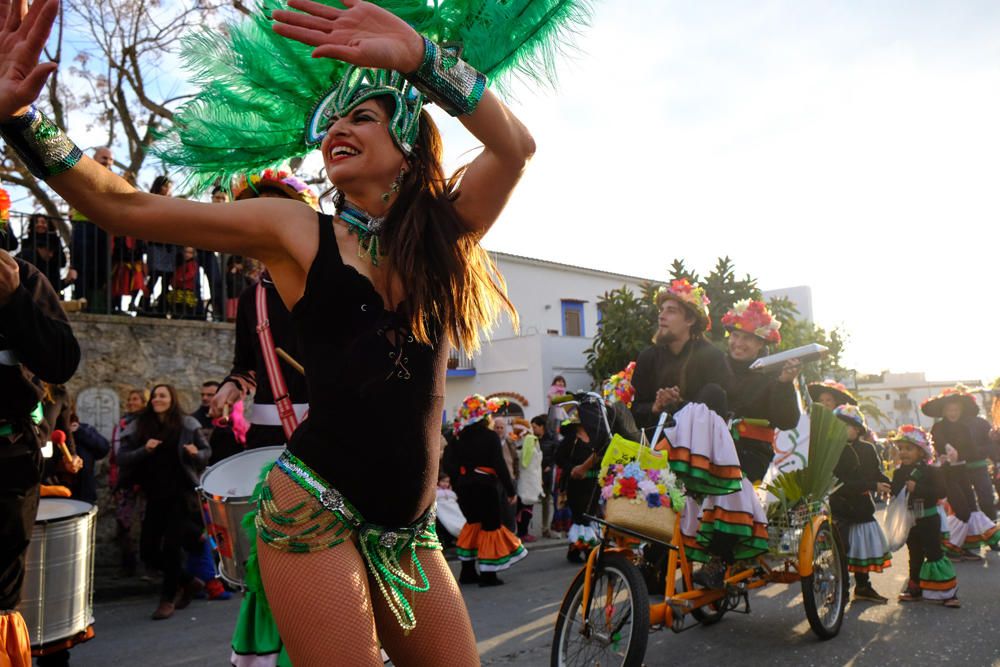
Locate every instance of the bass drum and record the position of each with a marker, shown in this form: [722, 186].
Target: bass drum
[57, 598]
[227, 490]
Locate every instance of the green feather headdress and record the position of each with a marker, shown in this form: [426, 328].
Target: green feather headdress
[264, 99]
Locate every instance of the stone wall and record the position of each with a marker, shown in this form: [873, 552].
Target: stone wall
[119, 353]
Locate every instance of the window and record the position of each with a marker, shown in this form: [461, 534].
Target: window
[572, 317]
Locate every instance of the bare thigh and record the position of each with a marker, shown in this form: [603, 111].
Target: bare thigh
[321, 600]
[443, 635]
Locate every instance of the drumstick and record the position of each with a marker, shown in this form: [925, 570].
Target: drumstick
[291, 362]
[59, 440]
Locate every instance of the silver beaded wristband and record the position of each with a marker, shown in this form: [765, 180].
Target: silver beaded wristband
[447, 80]
[45, 149]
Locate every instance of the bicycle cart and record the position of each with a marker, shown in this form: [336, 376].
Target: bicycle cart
[606, 615]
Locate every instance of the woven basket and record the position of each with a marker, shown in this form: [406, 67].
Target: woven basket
[656, 522]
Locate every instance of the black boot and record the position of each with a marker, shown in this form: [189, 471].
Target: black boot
[468, 574]
[489, 579]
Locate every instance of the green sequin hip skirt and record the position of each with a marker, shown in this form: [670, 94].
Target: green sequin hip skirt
[323, 521]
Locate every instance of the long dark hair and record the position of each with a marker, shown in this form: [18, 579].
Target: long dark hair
[159, 184]
[453, 284]
[148, 424]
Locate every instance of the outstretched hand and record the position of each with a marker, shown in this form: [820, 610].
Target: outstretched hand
[363, 34]
[23, 35]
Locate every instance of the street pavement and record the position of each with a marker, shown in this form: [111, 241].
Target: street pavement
[514, 622]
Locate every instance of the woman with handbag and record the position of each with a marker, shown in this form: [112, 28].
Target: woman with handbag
[165, 451]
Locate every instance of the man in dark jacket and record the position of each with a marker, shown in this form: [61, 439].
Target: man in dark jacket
[91, 447]
[681, 366]
[548, 443]
[36, 345]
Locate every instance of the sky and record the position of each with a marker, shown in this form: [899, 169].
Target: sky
[853, 147]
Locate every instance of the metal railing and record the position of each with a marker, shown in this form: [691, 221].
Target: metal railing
[109, 275]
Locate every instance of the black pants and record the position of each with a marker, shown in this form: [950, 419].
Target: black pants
[923, 544]
[20, 473]
[961, 495]
[171, 527]
[981, 484]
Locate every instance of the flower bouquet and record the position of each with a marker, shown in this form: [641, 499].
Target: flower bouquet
[643, 500]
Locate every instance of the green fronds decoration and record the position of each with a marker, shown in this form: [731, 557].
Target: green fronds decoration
[258, 88]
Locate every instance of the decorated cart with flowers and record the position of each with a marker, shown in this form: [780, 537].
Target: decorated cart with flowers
[667, 496]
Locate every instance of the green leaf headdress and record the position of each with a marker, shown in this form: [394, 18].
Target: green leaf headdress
[264, 99]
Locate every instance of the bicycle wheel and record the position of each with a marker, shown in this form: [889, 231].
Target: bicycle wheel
[825, 591]
[617, 628]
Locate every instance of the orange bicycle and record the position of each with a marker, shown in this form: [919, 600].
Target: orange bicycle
[606, 615]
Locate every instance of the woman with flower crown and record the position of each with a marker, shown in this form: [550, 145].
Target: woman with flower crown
[379, 293]
[761, 403]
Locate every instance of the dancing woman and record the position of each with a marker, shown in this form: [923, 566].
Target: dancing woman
[379, 293]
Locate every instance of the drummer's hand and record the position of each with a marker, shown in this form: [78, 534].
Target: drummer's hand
[363, 34]
[578, 472]
[911, 485]
[152, 444]
[882, 488]
[191, 450]
[224, 398]
[23, 33]
[666, 397]
[790, 370]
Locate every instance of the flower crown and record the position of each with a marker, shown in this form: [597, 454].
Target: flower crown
[753, 317]
[852, 415]
[917, 436]
[474, 409]
[692, 295]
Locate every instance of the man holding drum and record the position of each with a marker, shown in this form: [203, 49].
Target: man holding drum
[36, 345]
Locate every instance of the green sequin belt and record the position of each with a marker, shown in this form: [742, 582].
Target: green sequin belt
[305, 528]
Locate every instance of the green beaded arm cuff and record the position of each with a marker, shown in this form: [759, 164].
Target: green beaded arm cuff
[447, 80]
[45, 149]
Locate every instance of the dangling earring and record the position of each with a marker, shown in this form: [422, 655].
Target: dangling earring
[394, 188]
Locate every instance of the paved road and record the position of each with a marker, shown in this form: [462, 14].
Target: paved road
[514, 623]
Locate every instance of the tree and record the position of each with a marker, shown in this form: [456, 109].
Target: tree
[628, 322]
[627, 325]
[117, 81]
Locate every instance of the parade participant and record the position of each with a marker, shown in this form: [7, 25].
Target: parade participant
[484, 484]
[681, 366]
[377, 309]
[165, 452]
[853, 505]
[761, 403]
[257, 368]
[584, 439]
[830, 394]
[932, 576]
[36, 345]
[548, 444]
[529, 480]
[961, 439]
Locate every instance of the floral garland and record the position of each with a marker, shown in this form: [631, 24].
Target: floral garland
[753, 317]
[619, 387]
[692, 295]
[657, 488]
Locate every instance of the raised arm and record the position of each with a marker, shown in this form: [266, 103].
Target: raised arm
[366, 35]
[261, 228]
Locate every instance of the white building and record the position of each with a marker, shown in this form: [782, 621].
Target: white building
[557, 304]
[899, 395]
[800, 296]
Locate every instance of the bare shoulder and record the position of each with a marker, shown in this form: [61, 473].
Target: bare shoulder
[298, 231]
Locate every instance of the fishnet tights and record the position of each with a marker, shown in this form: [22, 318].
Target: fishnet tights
[328, 607]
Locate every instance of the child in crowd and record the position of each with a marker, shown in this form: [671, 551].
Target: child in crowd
[932, 576]
[860, 472]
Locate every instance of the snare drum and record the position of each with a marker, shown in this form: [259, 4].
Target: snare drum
[227, 488]
[57, 598]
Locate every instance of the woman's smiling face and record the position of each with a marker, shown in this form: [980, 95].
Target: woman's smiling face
[358, 149]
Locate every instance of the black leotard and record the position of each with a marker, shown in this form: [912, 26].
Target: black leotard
[375, 395]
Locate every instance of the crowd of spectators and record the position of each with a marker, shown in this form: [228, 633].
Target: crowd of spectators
[126, 275]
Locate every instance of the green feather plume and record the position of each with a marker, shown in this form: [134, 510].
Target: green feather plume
[258, 88]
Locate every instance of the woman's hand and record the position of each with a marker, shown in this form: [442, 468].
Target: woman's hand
[152, 444]
[363, 34]
[882, 488]
[790, 370]
[22, 37]
[191, 450]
